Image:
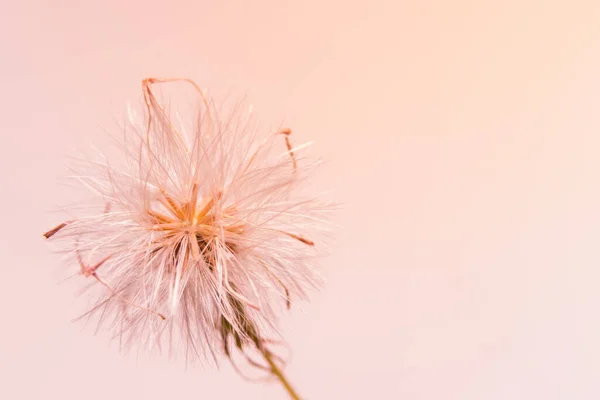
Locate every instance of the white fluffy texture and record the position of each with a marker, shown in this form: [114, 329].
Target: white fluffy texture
[255, 236]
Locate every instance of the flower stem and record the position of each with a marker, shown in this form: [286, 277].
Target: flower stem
[279, 374]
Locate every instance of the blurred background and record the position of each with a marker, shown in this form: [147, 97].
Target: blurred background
[461, 136]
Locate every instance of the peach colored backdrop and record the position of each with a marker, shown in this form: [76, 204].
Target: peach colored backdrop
[462, 136]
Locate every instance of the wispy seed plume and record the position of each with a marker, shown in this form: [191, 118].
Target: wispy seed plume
[199, 236]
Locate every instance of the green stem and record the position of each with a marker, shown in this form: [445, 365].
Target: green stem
[247, 326]
[279, 374]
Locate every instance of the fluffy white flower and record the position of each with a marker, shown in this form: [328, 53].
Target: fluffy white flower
[206, 231]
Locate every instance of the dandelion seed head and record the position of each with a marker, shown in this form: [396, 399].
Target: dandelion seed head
[201, 231]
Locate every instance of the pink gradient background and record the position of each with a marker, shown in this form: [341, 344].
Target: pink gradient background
[462, 136]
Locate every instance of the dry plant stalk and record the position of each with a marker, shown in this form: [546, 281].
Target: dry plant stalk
[202, 236]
